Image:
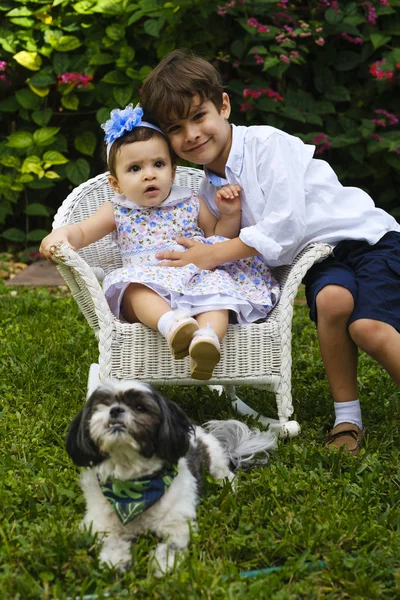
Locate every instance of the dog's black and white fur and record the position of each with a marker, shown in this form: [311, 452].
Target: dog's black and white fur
[127, 430]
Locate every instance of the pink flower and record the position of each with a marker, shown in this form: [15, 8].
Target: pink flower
[320, 41]
[221, 11]
[321, 140]
[78, 80]
[3, 65]
[377, 71]
[259, 59]
[246, 106]
[283, 58]
[352, 40]
[377, 137]
[393, 120]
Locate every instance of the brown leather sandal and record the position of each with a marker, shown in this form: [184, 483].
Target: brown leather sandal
[347, 436]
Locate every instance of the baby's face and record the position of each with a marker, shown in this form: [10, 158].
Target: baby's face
[144, 172]
[204, 136]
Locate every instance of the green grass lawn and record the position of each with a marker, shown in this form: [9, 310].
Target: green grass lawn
[307, 505]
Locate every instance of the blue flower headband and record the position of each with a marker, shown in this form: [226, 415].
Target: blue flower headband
[122, 120]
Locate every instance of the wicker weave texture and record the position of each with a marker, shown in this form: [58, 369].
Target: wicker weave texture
[257, 354]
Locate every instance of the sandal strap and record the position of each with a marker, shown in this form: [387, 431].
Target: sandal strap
[350, 432]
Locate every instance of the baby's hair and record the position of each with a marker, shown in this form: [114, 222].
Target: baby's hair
[138, 134]
[168, 90]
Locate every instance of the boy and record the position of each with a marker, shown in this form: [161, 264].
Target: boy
[289, 199]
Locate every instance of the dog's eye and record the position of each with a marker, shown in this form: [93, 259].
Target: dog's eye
[140, 408]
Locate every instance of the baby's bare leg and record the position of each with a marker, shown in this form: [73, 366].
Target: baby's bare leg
[142, 304]
[217, 319]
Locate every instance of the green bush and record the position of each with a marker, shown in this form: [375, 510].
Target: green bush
[326, 71]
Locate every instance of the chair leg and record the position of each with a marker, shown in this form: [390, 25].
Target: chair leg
[93, 379]
[282, 427]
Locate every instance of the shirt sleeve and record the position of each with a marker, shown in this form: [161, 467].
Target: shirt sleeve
[281, 162]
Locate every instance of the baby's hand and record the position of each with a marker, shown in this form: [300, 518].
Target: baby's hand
[227, 200]
[50, 243]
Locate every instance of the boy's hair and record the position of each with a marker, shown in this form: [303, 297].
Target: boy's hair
[138, 134]
[168, 90]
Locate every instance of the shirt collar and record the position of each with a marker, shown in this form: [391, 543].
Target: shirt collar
[177, 194]
[235, 158]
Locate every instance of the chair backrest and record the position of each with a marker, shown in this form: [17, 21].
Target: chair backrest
[88, 197]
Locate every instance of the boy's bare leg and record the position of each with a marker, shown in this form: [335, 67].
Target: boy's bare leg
[339, 353]
[217, 319]
[140, 303]
[381, 341]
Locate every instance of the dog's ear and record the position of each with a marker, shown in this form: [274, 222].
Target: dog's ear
[80, 447]
[173, 437]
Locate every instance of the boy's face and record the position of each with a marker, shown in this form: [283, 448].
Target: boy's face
[144, 172]
[204, 136]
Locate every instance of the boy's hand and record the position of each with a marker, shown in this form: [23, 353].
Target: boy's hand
[201, 255]
[227, 200]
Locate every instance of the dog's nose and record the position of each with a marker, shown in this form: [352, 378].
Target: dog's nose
[116, 411]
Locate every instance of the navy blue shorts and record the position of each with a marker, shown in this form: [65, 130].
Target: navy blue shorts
[370, 273]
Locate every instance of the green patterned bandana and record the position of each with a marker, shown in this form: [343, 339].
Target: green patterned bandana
[131, 498]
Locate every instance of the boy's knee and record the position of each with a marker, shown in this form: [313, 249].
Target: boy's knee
[369, 335]
[334, 302]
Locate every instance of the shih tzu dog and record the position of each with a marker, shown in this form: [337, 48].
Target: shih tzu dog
[146, 461]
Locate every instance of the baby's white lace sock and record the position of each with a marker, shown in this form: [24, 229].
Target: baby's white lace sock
[165, 322]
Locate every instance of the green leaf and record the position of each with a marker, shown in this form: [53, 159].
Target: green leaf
[123, 95]
[357, 151]
[29, 60]
[313, 119]
[24, 22]
[43, 136]
[324, 108]
[20, 139]
[237, 48]
[101, 58]
[28, 99]
[19, 12]
[269, 62]
[323, 78]
[338, 93]
[70, 102]
[293, 113]
[102, 115]
[341, 141]
[13, 235]
[61, 63]
[153, 26]
[10, 161]
[333, 17]
[78, 171]
[42, 116]
[85, 142]
[37, 210]
[54, 158]
[116, 78]
[393, 160]
[36, 235]
[115, 32]
[42, 79]
[66, 43]
[346, 61]
[85, 7]
[32, 164]
[9, 104]
[379, 39]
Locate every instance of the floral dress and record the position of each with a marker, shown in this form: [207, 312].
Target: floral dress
[245, 287]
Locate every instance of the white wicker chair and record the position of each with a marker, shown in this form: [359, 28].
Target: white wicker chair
[256, 355]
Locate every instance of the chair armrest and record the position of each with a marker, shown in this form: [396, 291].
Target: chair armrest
[84, 287]
[291, 276]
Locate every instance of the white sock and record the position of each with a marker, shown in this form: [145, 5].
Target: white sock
[207, 330]
[348, 412]
[165, 322]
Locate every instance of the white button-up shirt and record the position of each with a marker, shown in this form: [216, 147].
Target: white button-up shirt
[290, 199]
